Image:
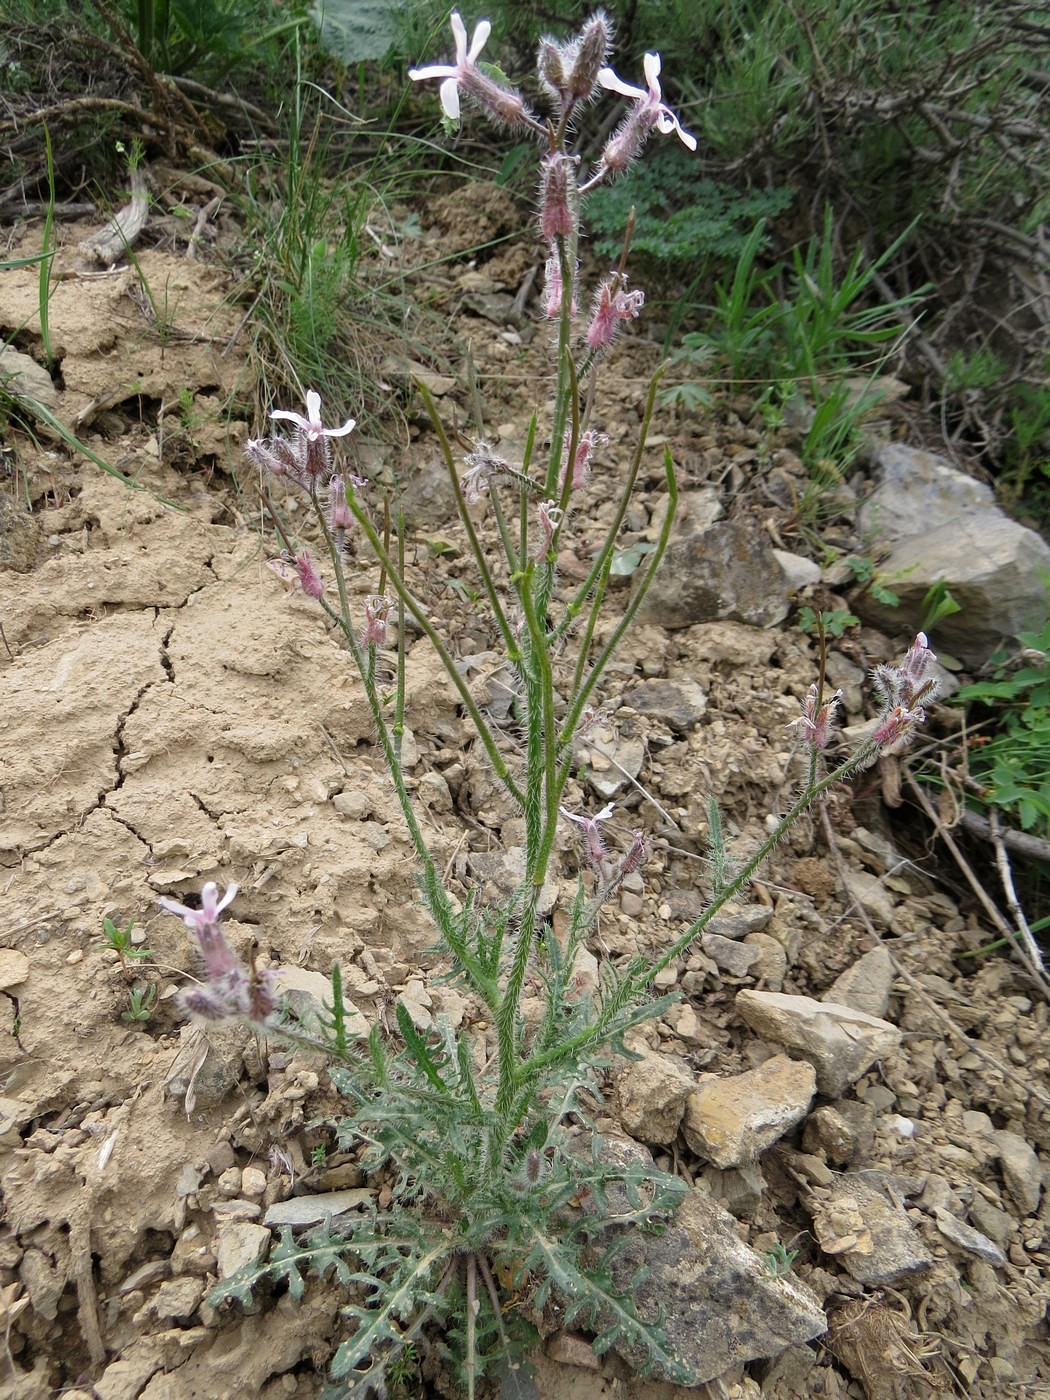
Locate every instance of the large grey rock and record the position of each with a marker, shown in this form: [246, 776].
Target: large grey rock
[732, 1121]
[681, 704]
[719, 1305]
[917, 492]
[725, 572]
[945, 527]
[839, 1042]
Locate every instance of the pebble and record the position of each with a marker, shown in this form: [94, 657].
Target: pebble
[76, 956]
[229, 1183]
[652, 1093]
[631, 904]
[311, 1210]
[728, 955]
[865, 986]
[14, 968]
[253, 1182]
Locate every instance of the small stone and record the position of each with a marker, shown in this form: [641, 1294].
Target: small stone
[652, 1093]
[739, 920]
[632, 905]
[220, 1158]
[240, 1245]
[311, 1210]
[680, 704]
[192, 1253]
[253, 1182]
[177, 1299]
[871, 894]
[76, 956]
[570, 1349]
[830, 1135]
[739, 1189]
[229, 1183]
[1022, 1174]
[309, 993]
[354, 804]
[14, 968]
[771, 964]
[728, 955]
[966, 1237]
[992, 1221]
[731, 1121]
[227, 1211]
[865, 986]
[434, 792]
[839, 1042]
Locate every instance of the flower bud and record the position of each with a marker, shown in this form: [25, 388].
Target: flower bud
[558, 198]
[592, 49]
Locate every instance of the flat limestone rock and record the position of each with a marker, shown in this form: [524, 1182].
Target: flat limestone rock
[839, 1043]
[732, 1121]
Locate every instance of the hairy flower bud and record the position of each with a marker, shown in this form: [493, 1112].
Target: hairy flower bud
[559, 202]
[553, 290]
[340, 516]
[481, 464]
[612, 304]
[592, 49]
[377, 609]
[309, 579]
[581, 462]
[550, 64]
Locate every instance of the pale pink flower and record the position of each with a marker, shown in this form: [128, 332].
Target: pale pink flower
[595, 847]
[652, 110]
[207, 916]
[504, 104]
[549, 517]
[377, 609]
[229, 989]
[553, 290]
[581, 462]
[904, 691]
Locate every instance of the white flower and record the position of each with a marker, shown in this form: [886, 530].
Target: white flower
[208, 914]
[666, 121]
[465, 60]
[311, 425]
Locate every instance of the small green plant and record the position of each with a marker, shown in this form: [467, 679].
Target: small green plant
[937, 604]
[835, 623]
[866, 574]
[319, 1156]
[119, 940]
[1010, 757]
[779, 1260]
[140, 1004]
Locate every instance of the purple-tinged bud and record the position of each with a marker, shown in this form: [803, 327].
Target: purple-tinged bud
[340, 516]
[377, 609]
[625, 144]
[559, 203]
[636, 856]
[550, 64]
[896, 728]
[611, 306]
[502, 104]
[274, 456]
[592, 49]
[309, 579]
[816, 718]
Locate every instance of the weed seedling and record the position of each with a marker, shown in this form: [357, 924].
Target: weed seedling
[119, 940]
[140, 1004]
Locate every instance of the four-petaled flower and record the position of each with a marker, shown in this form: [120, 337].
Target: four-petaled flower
[592, 836]
[461, 71]
[650, 99]
[311, 425]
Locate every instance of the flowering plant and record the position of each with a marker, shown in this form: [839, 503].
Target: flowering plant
[482, 1135]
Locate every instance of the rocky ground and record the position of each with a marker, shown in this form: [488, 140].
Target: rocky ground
[837, 1078]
